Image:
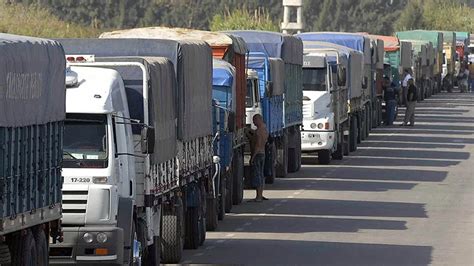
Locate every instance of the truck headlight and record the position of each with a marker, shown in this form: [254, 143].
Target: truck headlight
[314, 126]
[101, 238]
[320, 125]
[88, 238]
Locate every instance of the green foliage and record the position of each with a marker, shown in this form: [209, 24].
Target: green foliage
[242, 19]
[453, 15]
[36, 21]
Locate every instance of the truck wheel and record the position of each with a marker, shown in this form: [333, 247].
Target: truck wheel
[41, 246]
[282, 157]
[26, 252]
[211, 215]
[191, 239]
[270, 179]
[370, 117]
[238, 172]
[298, 150]
[339, 153]
[360, 127]
[353, 134]
[228, 197]
[172, 232]
[292, 161]
[202, 216]
[4, 254]
[221, 198]
[324, 157]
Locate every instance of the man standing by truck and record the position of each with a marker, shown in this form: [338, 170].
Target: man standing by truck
[405, 84]
[389, 94]
[258, 140]
[412, 98]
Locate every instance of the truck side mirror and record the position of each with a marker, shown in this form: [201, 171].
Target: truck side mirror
[341, 76]
[231, 122]
[269, 89]
[365, 83]
[148, 140]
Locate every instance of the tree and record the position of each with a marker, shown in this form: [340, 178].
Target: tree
[242, 19]
[37, 21]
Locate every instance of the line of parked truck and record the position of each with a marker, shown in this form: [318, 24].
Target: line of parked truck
[127, 148]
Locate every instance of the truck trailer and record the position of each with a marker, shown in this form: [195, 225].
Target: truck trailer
[32, 98]
[142, 193]
[232, 49]
[280, 56]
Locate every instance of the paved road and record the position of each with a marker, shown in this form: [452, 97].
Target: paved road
[406, 197]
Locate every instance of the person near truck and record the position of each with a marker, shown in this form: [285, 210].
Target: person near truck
[412, 98]
[471, 76]
[258, 140]
[405, 84]
[463, 79]
[389, 94]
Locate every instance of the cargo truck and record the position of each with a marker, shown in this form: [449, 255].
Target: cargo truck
[378, 57]
[232, 49]
[326, 121]
[346, 99]
[278, 60]
[32, 99]
[462, 46]
[358, 42]
[423, 58]
[436, 38]
[139, 173]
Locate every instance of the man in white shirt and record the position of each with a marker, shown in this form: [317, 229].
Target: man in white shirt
[407, 77]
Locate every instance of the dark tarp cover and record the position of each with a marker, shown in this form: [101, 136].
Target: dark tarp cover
[32, 81]
[277, 45]
[162, 96]
[192, 61]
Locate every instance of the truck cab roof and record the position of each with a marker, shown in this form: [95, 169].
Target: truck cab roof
[99, 90]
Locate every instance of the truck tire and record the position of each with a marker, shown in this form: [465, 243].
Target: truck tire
[211, 214]
[228, 190]
[324, 157]
[191, 238]
[370, 118]
[41, 246]
[294, 155]
[172, 229]
[221, 198]
[4, 254]
[25, 251]
[282, 157]
[270, 179]
[292, 160]
[298, 150]
[202, 216]
[360, 127]
[353, 134]
[238, 172]
[339, 153]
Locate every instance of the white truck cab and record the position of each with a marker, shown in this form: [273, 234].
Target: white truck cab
[252, 100]
[318, 134]
[95, 176]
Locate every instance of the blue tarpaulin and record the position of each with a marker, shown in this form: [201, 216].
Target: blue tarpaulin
[277, 45]
[353, 41]
[222, 74]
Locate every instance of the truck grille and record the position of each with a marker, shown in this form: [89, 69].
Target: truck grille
[74, 206]
[307, 111]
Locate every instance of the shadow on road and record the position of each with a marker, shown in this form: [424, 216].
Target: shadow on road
[288, 252]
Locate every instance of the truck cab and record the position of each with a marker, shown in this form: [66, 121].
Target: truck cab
[252, 100]
[318, 134]
[96, 172]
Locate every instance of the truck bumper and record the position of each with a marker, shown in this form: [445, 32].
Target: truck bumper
[74, 250]
[312, 141]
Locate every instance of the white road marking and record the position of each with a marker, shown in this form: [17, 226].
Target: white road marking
[290, 197]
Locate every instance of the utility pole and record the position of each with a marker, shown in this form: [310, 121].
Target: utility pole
[288, 26]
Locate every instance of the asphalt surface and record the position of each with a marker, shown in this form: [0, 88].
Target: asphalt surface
[406, 197]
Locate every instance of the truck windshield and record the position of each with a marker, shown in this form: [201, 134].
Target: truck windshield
[314, 79]
[85, 141]
[249, 101]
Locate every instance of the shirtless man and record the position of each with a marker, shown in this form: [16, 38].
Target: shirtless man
[258, 139]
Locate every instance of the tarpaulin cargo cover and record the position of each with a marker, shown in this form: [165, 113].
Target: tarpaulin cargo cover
[277, 45]
[351, 40]
[224, 76]
[32, 77]
[162, 95]
[433, 36]
[193, 66]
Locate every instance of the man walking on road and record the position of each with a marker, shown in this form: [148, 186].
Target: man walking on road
[389, 95]
[412, 98]
[258, 140]
[405, 84]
